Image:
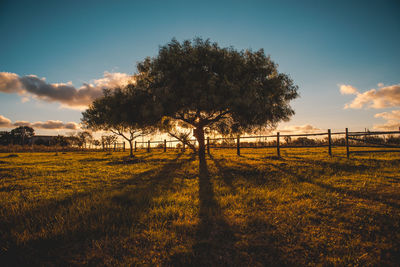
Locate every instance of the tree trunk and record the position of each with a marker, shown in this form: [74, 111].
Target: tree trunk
[199, 134]
[130, 149]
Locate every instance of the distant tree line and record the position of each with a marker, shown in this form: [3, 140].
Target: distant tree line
[24, 136]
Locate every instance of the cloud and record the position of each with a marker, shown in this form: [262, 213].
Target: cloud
[47, 125]
[306, 128]
[384, 97]
[21, 123]
[4, 122]
[394, 115]
[52, 125]
[392, 120]
[64, 93]
[348, 89]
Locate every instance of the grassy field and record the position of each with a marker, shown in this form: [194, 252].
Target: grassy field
[305, 208]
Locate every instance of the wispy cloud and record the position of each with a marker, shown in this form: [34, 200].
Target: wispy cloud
[392, 120]
[64, 93]
[384, 97]
[348, 90]
[47, 125]
[4, 122]
[306, 128]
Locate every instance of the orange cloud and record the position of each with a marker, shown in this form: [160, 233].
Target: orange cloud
[306, 128]
[392, 120]
[348, 90]
[384, 97]
[4, 122]
[64, 93]
[47, 125]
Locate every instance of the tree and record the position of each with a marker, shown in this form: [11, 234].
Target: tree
[124, 112]
[84, 138]
[60, 140]
[21, 134]
[74, 140]
[96, 143]
[212, 89]
[6, 138]
[108, 140]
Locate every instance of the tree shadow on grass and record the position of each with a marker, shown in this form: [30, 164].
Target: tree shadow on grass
[218, 243]
[346, 165]
[246, 172]
[226, 174]
[266, 245]
[214, 238]
[110, 210]
[371, 196]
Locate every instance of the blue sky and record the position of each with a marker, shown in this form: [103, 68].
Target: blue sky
[320, 44]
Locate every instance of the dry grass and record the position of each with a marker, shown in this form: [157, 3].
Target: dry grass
[98, 209]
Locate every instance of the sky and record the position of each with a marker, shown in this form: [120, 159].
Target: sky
[56, 56]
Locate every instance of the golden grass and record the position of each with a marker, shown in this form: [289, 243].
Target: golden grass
[305, 208]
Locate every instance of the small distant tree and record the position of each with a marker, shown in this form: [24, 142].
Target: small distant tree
[22, 134]
[74, 141]
[108, 140]
[61, 140]
[124, 112]
[85, 137]
[207, 88]
[96, 143]
[288, 139]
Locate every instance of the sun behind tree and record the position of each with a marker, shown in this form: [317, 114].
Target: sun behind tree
[212, 89]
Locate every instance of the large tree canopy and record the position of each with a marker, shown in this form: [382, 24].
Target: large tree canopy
[209, 88]
[123, 111]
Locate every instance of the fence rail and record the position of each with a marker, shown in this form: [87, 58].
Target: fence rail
[283, 141]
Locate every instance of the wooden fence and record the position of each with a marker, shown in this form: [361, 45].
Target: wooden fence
[280, 141]
[114, 146]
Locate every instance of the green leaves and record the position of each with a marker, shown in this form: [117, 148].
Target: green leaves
[201, 80]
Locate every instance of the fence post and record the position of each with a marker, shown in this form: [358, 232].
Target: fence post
[238, 145]
[165, 145]
[148, 146]
[115, 144]
[124, 146]
[347, 143]
[208, 145]
[135, 145]
[329, 142]
[278, 152]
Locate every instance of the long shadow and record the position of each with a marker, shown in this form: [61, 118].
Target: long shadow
[214, 236]
[246, 172]
[214, 239]
[63, 248]
[226, 174]
[268, 249]
[353, 193]
[347, 166]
